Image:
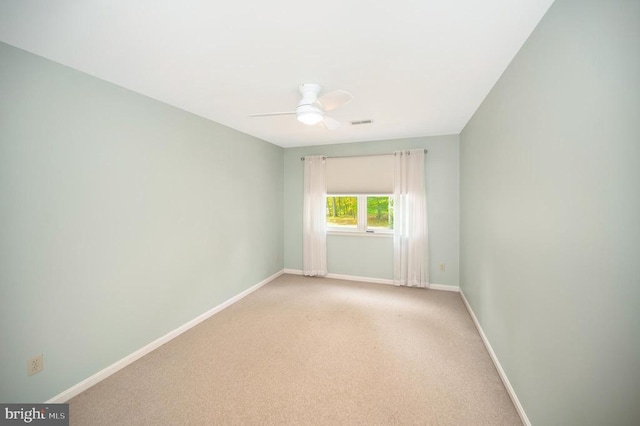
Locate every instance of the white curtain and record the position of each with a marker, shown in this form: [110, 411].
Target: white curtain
[410, 233]
[314, 235]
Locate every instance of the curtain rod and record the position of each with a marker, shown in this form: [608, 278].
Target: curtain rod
[351, 156]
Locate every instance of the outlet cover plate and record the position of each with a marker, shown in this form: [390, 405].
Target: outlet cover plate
[35, 365]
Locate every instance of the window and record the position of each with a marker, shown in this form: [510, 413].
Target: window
[360, 213]
[359, 200]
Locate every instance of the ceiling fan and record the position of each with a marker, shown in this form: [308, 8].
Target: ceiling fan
[311, 108]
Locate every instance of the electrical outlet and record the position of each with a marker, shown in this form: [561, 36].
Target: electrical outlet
[35, 365]
[442, 267]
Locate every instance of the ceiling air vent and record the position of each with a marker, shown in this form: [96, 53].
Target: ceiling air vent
[357, 123]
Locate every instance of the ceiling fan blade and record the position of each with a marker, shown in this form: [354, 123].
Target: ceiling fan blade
[330, 123]
[267, 114]
[334, 99]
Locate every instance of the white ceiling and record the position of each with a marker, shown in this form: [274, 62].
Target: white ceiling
[415, 67]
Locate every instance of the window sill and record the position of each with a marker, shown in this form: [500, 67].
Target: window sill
[361, 234]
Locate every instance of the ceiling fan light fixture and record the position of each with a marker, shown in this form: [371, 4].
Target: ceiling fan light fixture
[310, 117]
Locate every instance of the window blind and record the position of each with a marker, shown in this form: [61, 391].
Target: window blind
[360, 175]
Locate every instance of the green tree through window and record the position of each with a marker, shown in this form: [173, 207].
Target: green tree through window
[342, 211]
[380, 212]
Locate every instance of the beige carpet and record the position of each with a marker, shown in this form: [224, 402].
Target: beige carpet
[313, 351]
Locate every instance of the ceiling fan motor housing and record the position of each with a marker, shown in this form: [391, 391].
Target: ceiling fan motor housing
[309, 93]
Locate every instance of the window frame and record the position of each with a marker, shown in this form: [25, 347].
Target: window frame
[362, 227]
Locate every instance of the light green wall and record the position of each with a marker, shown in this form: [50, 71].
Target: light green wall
[373, 256]
[121, 218]
[550, 216]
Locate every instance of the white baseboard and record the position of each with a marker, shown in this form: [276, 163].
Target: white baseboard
[496, 362]
[361, 279]
[444, 287]
[119, 365]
